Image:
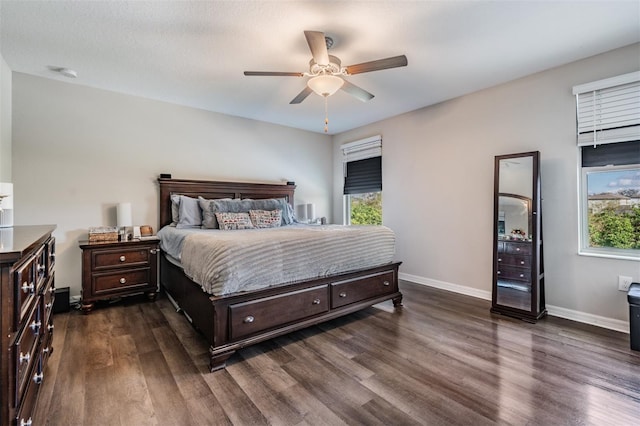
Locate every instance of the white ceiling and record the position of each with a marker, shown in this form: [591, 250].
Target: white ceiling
[194, 53]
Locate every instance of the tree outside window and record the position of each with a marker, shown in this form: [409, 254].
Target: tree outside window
[366, 208]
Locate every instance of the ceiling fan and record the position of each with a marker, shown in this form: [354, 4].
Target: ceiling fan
[326, 71]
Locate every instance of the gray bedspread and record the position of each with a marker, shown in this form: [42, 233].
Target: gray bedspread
[225, 262]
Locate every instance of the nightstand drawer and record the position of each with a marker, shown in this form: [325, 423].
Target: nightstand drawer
[114, 282]
[121, 257]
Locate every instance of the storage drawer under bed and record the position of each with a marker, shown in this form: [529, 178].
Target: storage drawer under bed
[362, 288]
[251, 317]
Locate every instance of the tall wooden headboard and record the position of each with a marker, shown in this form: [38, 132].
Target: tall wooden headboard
[218, 189]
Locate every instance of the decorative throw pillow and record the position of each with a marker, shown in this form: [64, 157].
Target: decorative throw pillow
[266, 218]
[222, 205]
[230, 221]
[274, 204]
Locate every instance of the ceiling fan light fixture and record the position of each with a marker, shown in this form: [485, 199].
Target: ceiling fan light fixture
[325, 85]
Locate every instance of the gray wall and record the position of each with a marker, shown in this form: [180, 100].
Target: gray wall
[79, 151]
[438, 187]
[5, 121]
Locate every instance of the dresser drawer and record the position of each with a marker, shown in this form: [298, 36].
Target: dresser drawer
[252, 317]
[121, 257]
[24, 350]
[47, 298]
[517, 248]
[51, 255]
[25, 290]
[506, 272]
[522, 261]
[126, 280]
[352, 291]
[27, 406]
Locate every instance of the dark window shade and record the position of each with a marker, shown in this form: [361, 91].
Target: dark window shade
[614, 154]
[363, 176]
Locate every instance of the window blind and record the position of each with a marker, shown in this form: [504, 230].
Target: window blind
[363, 176]
[608, 111]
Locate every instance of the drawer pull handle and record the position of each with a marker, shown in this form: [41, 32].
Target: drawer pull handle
[248, 320]
[46, 350]
[316, 301]
[41, 269]
[521, 275]
[343, 294]
[28, 288]
[498, 272]
[52, 289]
[50, 327]
[153, 251]
[122, 258]
[24, 357]
[37, 378]
[122, 280]
[52, 255]
[517, 248]
[28, 422]
[499, 259]
[35, 326]
[522, 262]
[385, 283]
[48, 305]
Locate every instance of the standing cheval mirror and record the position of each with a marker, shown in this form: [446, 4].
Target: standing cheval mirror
[518, 272]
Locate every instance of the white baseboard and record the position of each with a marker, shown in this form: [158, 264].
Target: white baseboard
[556, 311]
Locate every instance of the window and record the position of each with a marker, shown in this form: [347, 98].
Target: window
[608, 126]
[363, 181]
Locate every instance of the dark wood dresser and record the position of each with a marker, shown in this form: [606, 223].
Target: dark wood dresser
[118, 268]
[27, 261]
[514, 260]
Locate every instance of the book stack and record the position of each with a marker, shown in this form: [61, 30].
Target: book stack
[103, 233]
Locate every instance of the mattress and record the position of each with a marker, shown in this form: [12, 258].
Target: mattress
[226, 262]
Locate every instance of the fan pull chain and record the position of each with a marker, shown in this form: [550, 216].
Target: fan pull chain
[326, 114]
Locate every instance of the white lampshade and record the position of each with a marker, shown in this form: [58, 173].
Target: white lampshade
[325, 85]
[6, 204]
[124, 215]
[311, 211]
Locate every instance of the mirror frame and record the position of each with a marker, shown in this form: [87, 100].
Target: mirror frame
[537, 307]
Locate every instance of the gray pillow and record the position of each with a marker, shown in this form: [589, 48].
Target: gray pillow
[190, 214]
[224, 205]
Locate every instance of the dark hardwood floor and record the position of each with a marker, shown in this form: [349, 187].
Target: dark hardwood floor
[443, 359]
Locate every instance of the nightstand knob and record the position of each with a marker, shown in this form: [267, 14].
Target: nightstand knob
[28, 422]
[385, 283]
[122, 281]
[248, 320]
[122, 258]
[343, 294]
[24, 358]
[316, 301]
[153, 251]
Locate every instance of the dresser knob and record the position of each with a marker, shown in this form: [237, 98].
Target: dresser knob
[316, 301]
[521, 275]
[343, 294]
[50, 327]
[52, 255]
[48, 305]
[498, 272]
[248, 320]
[153, 251]
[28, 288]
[385, 283]
[27, 422]
[35, 326]
[517, 248]
[24, 358]
[37, 378]
[122, 258]
[499, 259]
[41, 269]
[45, 350]
[522, 262]
[122, 280]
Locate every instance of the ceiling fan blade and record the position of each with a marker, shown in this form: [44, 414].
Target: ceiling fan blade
[274, 73]
[380, 64]
[318, 47]
[356, 91]
[302, 95]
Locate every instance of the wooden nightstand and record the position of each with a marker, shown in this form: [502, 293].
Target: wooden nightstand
[118, 268]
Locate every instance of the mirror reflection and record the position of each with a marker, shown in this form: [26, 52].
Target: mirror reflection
[514, 230]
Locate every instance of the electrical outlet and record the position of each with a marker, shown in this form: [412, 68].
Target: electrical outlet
[624, 283]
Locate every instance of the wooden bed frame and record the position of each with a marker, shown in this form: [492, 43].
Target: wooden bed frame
[234, 321]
